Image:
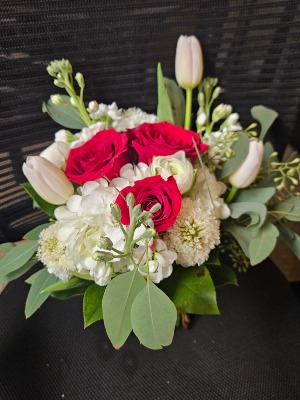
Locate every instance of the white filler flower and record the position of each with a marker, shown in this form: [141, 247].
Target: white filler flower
[194, 234]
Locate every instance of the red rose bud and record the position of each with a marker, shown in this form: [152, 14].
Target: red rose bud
[148, 192]
[163, 139]
[104, 154]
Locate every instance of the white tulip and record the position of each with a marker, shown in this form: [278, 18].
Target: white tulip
[47, 180]
[248, 170]
[188, 62]
[57, 153]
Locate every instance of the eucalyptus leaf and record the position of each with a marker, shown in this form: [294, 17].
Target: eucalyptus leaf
[256, 211]
[263, 243]
[164, 108]
[289, 209]
[44, 205]
[35, 299]
[92, 304]
[177, 101]
[17, 257]
[261, 195]
[241, 234]
[265, 116]
[153, 317]
[34, 234]
[241, 149]
[19, 272]
[116, 304]
[63, 114]
[191, 290]
[6, 247]
[60, 285]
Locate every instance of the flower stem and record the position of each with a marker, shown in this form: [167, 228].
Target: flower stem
[231, 195]
[188, 109]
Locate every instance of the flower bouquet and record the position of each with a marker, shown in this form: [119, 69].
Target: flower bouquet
[149, 213]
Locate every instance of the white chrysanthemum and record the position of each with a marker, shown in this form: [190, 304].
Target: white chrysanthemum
[194, 234]
[207, 189]
[161, 260]
[51, 252]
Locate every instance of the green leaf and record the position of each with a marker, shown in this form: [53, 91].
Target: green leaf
[19, 272]
[265, 116]
[153, 317]
[289, 209]
[63, 115]
[17, 257]
[34, 234]
[261, 195]
[191, 290]
[60, 285]
[214, 257]
[35, 298]
[92, 304]
[44, 205]
[241, 149]
[291, 238]
[117, 314]
[164, 108]
[6, 247]
[73, 292]
[241, 234]
[177, 101]
[222, 275]
[256, 211]
[263, 243]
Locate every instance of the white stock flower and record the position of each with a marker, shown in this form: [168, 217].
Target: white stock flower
[176, 165]
[207, 189]
[194, 234]
[161, 260]
[131, 118]
[87, 134]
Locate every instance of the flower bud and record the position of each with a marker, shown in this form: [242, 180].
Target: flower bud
[201, 119]
[47, 180]
[80, 80]
[93, 106]
[105, 243]
[188, 62]
[103, 256]
[221, 112]
[248, 170]
[58, 100]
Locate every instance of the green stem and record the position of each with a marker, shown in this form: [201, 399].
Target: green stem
[188, 109]
[231, 195]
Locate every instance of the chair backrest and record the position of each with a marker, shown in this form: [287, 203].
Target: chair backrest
[252, 46]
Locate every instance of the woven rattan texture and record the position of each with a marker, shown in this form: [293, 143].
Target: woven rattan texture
[252, 46]
[249, 352]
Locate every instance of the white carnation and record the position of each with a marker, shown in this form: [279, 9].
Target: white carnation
[194, 234]
[131, 118]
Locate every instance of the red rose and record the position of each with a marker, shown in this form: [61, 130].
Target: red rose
[104, 154]
[163, 139]
[148, 192]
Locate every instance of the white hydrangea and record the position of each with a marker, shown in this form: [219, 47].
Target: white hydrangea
[207, 189]
[194, 234]
[161, 260]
